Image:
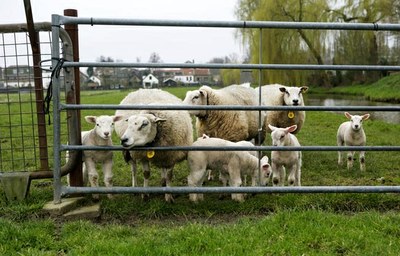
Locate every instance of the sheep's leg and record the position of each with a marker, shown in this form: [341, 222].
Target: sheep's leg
[340, 161]
[146, 177]
[235, 181]
[292, 175]
[93, 175]
[298, 176]
[84, 174]
[168, 174]
[195, 179]
[278, 175]
[108, 175]
[224, 178]
[134, 172]
[210, 175]
[350, 156]
[362, 160]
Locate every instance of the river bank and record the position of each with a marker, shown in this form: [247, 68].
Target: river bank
[386, 89]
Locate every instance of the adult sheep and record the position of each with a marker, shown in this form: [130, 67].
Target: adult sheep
[280, 95]
[225, 124]
[154, 128]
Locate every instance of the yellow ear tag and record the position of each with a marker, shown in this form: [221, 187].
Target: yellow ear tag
[150, 154]
[290, 114]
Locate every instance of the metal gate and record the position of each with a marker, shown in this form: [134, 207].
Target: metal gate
[26, 138]
[60, 190]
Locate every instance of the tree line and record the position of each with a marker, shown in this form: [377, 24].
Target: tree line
[301, 46]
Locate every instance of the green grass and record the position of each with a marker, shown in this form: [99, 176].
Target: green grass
[386, 89]
[265, 224]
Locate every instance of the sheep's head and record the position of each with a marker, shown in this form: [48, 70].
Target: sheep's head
[266, 170]
[356, 120]
[292, 96]
[141, 130]
[196, 98]
[280, 136]
[104, 124]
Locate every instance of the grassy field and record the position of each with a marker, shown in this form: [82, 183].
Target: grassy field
[265, 224]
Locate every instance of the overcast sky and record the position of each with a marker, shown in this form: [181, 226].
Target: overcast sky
[174, 45]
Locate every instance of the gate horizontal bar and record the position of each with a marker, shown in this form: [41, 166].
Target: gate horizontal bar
[233, 66]
[229, 24]
[185, 190]
[229, 107]
[236, 148]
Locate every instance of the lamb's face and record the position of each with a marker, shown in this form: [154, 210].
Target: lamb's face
[104, 125]
[292, 96]
[266, 170]
[141, 130]
[195, 98]
[280, 136]
[356, 120]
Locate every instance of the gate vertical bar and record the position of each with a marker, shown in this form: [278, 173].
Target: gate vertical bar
[55, 58]
[36, 54]
[73, 97]
[259, 103]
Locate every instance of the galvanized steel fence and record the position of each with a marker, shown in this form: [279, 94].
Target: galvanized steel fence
[60, 190]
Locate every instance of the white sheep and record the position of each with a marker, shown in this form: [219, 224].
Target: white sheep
[280, 95]
[100, 135]
[226, 124]
[290, 160]
[351, 133]
[233, 165]
[154, 128]
[243, 143]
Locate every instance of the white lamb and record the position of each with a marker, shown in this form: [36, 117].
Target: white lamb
[280, 95]
[100, 135]
[351, 133]
[226, 124]
[233, 165]
[154, 128]
[285, 159]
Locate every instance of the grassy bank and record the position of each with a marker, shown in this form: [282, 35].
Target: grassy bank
[386, 89]
[265, 224]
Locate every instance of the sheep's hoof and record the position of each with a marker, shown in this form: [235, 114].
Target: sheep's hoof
[169, 198]
[145, 197]
[96, 197]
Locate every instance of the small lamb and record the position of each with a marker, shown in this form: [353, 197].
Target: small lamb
[100, 135]
[351, 133]
[285, 159]
[232, 165]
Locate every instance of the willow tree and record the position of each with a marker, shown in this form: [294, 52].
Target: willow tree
[363, 47]
[283, 46]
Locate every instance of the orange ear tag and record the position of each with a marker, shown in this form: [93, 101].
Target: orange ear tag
[290, 114]
[150, 154]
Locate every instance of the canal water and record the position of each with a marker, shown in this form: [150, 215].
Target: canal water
[343, 100]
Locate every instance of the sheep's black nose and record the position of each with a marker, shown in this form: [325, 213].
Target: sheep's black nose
[123, 141]
[295, 102]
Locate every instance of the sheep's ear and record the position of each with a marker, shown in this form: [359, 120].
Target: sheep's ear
[271, 127]
[292, 128]
[117, 118]
[365, 117]
[347, 114]
[205, 136]
[158, 120]
[282, 89]
[203, 92]
[90, 119]
[303, 89]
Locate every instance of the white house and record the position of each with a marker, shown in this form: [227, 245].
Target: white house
[149, 81]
